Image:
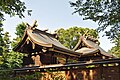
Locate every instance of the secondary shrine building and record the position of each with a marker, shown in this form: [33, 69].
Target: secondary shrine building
[89, 61]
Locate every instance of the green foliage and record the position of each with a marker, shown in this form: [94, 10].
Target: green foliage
[32, 76]
[105, 12]
[16, 59]
[10, 75]
[5, 48]
[19, 33]
[20, 29]
[12, 8]
[9, 59]
[6, 75]
[1, 40]
[12, 60]
[6, 42]
[116, 49]
[70, 37]
[1, 60]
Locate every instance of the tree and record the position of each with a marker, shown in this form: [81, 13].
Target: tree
[1, 40]
[1, 45]
[10, 59]
[105, 12]
[116, 49]
[19, 33]
[16, 60]
[70, 37]
[12, 8]
[5, 50]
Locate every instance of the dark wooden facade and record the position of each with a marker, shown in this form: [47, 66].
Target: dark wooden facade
[108, 69]
[97, 73]
[42, 48]
[38, 60]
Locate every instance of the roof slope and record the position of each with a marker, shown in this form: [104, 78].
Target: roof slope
[90, 46]
[43, 40]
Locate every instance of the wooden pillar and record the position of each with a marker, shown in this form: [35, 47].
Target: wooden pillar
[71, 74]
[91, 74]
[119, 69]
[66, 59]
[101, 71]
[67, 74]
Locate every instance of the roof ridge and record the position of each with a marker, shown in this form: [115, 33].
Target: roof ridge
[91, 38]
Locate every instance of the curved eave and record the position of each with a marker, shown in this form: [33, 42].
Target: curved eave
[90, 53]
[68, 52]
[21, 43]
[28, 34]
[107, 54]
[48, 45]
[36, 41]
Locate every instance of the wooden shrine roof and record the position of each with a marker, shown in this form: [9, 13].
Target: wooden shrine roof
[35, 40]
[90, 46]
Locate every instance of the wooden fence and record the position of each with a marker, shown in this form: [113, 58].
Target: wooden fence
[97, 70]
[109, 72]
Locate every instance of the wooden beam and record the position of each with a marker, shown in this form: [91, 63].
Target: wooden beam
[64, 53]
[65, 66]
[101, 71]
[66, 59]
[119, 70]
[34, 25]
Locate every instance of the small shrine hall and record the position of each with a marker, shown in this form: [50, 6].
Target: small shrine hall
[86, 61]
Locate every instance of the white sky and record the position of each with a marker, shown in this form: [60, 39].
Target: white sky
[52, 15]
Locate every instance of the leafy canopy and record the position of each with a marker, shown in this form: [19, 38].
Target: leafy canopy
[105, 12]
[10, 59]
[116, 49]
[70, 37]
[4, 48]
[19, 33]
[12, 8]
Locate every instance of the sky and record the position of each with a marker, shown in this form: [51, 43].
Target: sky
[53, 15]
